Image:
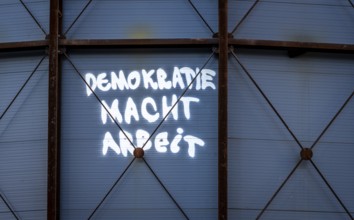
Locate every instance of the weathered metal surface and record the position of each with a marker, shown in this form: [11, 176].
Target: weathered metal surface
[286, 45]
[222, 109]
[25, 45]
[203, 42]
[53, 200]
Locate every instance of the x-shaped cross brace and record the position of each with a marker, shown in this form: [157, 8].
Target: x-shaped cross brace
[139, 151]
[2, 116]
[306, 153]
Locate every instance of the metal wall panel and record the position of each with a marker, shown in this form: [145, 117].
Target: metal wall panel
[88, 171]
[307, 92]
[16, 23]
[139, 19]
[23, 136]
[306, 21]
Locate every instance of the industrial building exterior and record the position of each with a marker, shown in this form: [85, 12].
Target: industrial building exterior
[178, 109]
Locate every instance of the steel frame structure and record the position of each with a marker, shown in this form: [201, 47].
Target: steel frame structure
[55, 45]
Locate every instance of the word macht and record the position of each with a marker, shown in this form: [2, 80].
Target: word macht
[148, 109]
[162, 143]
[151, 79]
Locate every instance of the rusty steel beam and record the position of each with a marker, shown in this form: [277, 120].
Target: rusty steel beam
[209, 42]
[24, 45]
[53, 192]
[289, 45]
[222, 111]
[128, 43]
[182, 42]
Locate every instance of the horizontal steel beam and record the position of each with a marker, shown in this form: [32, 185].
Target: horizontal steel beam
[23, 45]
[289, 45]
[172, 43]
[199, 42]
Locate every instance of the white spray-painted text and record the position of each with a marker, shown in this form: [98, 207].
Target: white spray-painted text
[150, 109]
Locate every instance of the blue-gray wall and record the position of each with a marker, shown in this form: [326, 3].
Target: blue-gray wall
[139, 19]
[87, 174]
[329, 21]
[306, 90]
[17, 24]
[23, 129]
[23, 136]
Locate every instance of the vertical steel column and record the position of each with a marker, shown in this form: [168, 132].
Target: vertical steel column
[54, 112]
[222, 115]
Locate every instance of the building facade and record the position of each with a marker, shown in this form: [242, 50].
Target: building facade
[180, 109]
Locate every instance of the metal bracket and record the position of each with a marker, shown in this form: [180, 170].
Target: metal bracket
[62, 50]
[229, 35]
[216, 50]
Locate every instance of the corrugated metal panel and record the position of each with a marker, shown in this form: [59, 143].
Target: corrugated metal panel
[329, 21]
[87, 173]
[307, 91]
[16, 24]
[23, 136]
[139, 19]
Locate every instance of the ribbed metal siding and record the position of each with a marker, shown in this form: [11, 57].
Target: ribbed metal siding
[329, 21]
[307, 92]
[23, 136]
[139, 19]
[87, 175]
[16, 23]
